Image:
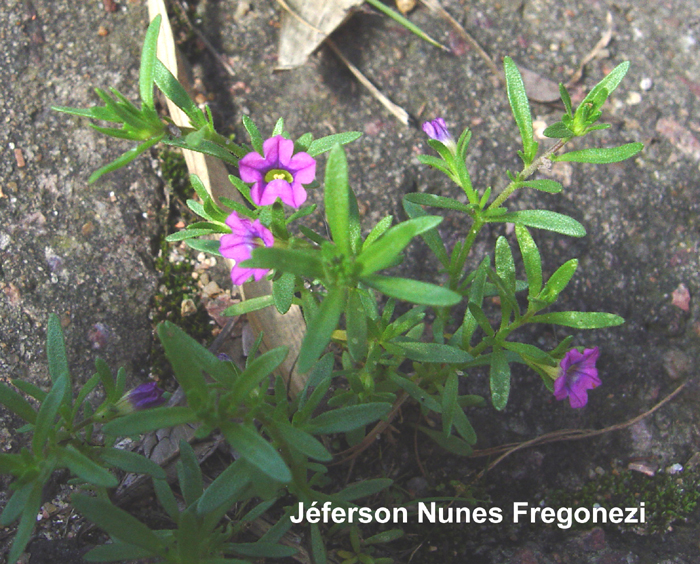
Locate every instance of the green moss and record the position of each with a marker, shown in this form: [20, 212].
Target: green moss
[175, 278]
[667, 498]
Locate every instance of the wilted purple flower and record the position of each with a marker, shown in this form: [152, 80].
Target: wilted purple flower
[142, 397]
[577, 373]
[278, 174]
[437, 130]
[246, 235]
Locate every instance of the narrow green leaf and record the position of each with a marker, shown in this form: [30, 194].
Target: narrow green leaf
[558, 130]
[521, 108]
[166, 497]
[227, 488]
[544, 185]
[605, 87]
[327, 143]
[149, 420]
[172, 89]
[406, 23]
[302, 263]
[499, 378]
[558, 281]
[256, 372]
[26, 524]
[449, 403]
[183, 352]
[412, 290]
[320, 329]
[283, 292]
[17, 404]
[431, 237]
[378, 230]
[580, 319]
[84, 468]
[337, 198]
[116, 552]
[356, 325]
[279, 128]
[346, 419]
[385, 536]
[125, 159]
[118, 523]
[601, 155]
[505, 265]
[255, 137]
[462, 424]
[530, 351]
[148, 62]
[416, 392]
[452, 444]
[303, 442]
[436, 201]
[131, 462]
[531, 259]
[256, 450]
[365, 488]
[45, 420]
[205, 246]
[261, 550]
[188, 473]
[56, 349]
[187, 234]
[544, 219]
[433, 352]
[30, 389]
[321, 372]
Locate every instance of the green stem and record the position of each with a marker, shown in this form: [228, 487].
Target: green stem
[456, 273]
[526, 173]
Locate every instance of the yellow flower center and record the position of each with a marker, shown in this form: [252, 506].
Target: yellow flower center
[278, 174]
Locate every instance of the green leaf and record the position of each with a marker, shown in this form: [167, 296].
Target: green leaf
[433, 352]
[227, 488]
[416, 392]
[558, 130]
[205, 246]
[45, 420]
[505, 266]
[356, 325]
[412, 290]
[385, 536]
[17, 404]
[261, 550]
[566, 99]
[256, 372]
[600, 92]
[252, 304]
[148, 61]
[283, 292]
[320, 329]
[302, 263]
[378, 230]
[125, 159]
[30, 389]
[521, 109]
[544, 219]
[449, 403]
[436, 201]
[601, 155]
[321, 372]
[580, 319]
[346, 419]
[131, 462]
[531, 259]
[337, 199]
[187, 234]
[431, 237]
[558, 281]
[166, 497]
[462, 424]
[303, 442]
[365, 488]
[26, 524]
[170, 86]
[118, 523]
[383, 252]
[56, 350]
[327, 143]
[149, 420]
[86, 469]
[188, 473]
[544, 185]
[499, 379]
[529, 351]
[256, 450]
[116, 552]
[187, 357]
[451, 444]
[255, 137]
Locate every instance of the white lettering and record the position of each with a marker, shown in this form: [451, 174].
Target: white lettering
[517, 511]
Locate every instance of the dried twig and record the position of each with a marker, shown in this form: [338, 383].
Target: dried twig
[602, 43]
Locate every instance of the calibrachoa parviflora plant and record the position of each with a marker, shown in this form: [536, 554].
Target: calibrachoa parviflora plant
[346, 298]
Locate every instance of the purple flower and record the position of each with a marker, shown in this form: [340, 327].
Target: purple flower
[577, 373]
[246, 235]
[142, 397]
[278, 174]
[437, 130]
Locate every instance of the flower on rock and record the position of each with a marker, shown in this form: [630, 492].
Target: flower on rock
[142, 397]
[238, 245]
[279, 174]
[577, 373]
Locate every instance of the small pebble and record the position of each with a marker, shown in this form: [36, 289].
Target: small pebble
[646, 84]
[633, 98]
[102, 31]
[674, 469]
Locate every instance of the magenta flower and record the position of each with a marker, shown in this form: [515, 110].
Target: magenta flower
[577, 373]
[437, 130]
[278, 174]
[246, 235]
[142, 397]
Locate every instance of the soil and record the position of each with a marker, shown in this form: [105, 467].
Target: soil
[87, 252]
